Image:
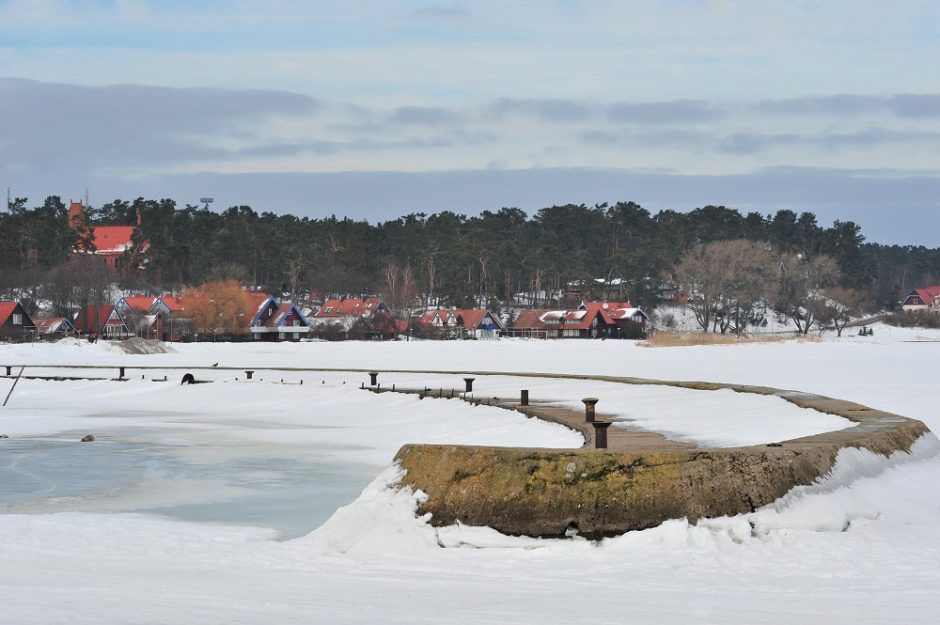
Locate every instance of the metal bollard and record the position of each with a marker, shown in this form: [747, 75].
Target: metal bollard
[469, 383]
[9, 370]
[524, 400]
[589, 403]
[600, 434]
[374, 378]
[122, 372]
[248, 374]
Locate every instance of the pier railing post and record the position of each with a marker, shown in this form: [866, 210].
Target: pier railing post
[589, 404]
[600, 434]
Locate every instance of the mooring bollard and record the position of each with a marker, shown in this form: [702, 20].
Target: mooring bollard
[589, 403]
[374, 378]
[469, 382]
[600, 434]
[249, 373]
[524, 400]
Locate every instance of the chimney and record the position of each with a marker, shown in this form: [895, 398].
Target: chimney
[139, 218]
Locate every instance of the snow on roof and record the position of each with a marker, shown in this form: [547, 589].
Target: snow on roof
[113, 239]
[51, 325]
[350, 306]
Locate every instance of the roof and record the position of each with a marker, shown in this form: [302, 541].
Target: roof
[426, 319]
[50, 325]
[530, 319]
[281, 314]
[350, 306]
[113, 239]
[85, 321]
[926, 294]
[8, 308]
[140, 302]
[472, 317]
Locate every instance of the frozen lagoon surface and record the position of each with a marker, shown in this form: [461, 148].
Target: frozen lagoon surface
[171, 521]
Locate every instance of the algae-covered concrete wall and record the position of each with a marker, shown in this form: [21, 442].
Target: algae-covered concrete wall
[544, 492]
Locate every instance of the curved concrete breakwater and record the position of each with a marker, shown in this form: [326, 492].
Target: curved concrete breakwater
[638, 482]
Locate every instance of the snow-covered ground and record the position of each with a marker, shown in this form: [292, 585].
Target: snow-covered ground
[862, 547]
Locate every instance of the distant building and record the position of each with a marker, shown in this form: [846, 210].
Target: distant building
[110, 242]
[15, 324]
[278, 321]
[52, 328]
[588, 320]
[922, 300]
[105, 321]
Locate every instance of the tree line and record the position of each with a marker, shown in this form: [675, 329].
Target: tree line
[446, 257]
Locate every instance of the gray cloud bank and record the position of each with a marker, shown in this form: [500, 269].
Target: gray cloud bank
[122, 141]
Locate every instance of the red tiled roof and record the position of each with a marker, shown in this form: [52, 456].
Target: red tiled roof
[6, 309]
[530, 319]
[426, 319]
[113, 239]
[140, 302]
[85, 321]
[48, 324]
[349, 307]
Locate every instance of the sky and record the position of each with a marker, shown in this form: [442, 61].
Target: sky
[377, 109]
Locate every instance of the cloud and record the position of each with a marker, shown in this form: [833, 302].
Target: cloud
[672, 112]
[547, 110]
[426, 115]
[60, 125]
[915, 106]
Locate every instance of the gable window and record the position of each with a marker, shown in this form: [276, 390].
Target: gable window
[17, 319]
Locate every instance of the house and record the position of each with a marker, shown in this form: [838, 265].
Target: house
[436, 323]
[111, 242]
[104, 321]
[588, 320]
[15, 324]
[278, 321]
[530, 323]
[351, 307]
[175, 316]
[52, 328]
[355, 318]
[478, 323]
[926, 299]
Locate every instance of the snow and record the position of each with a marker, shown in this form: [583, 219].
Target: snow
[860, 546]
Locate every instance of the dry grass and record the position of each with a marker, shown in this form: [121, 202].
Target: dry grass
[686, 339]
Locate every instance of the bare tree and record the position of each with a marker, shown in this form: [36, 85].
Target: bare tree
[726, 282]
[838, 306]
[802, 280]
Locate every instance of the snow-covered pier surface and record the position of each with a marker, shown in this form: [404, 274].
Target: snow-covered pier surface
[631, 487]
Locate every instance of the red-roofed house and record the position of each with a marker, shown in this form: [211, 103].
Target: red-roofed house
[276, 321]
[15, 324]
[52, 328]
[437, 320]
[926, 299]
[478, 323]
[110, 241]
[104, 321]
[589, 320]
[355, 318]
[351, 307]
